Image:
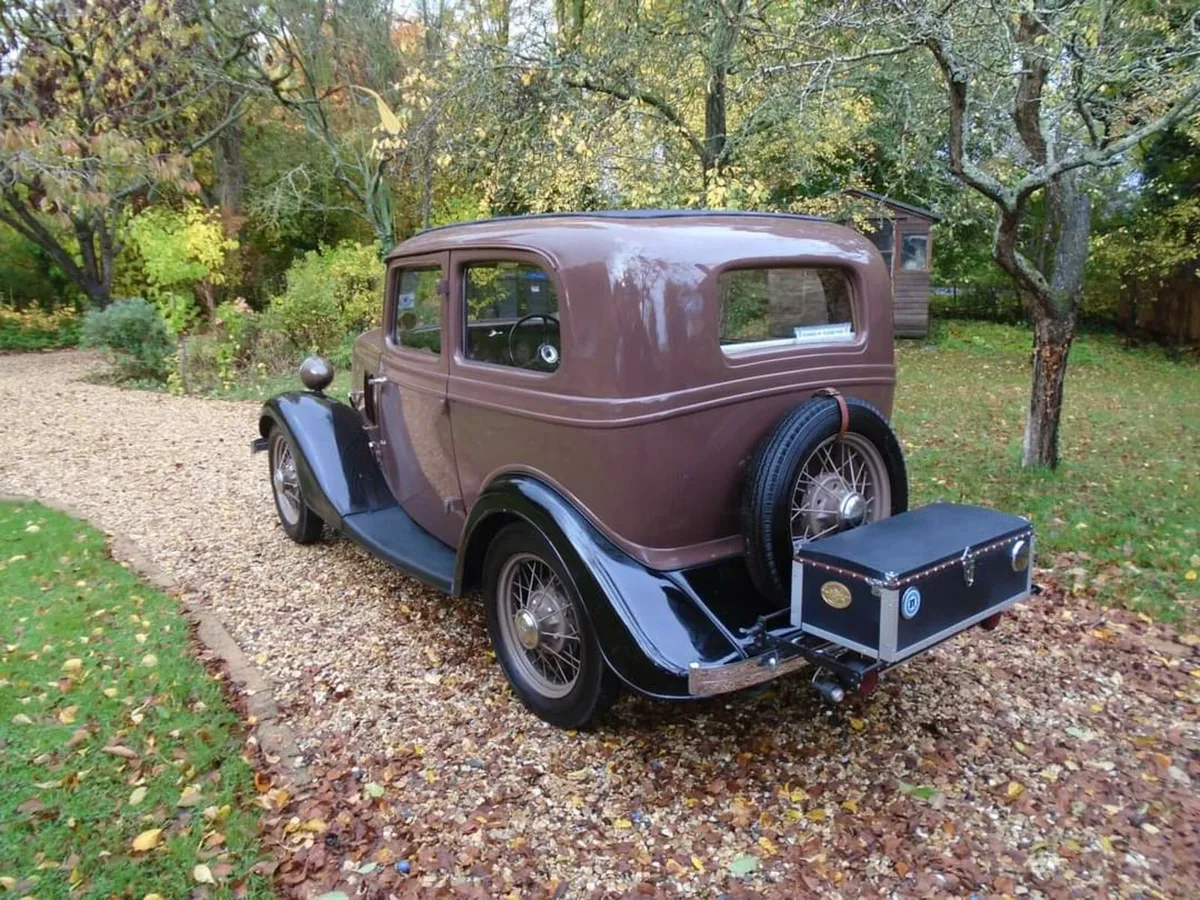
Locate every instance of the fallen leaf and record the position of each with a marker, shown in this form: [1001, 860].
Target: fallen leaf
[138, 795]
[119, 750]
[744, 864]
[857, 724]
[189, 797]
[72, 666]
[1014, 790]
[149, 660]
[147, 840]
[767, 845]
[21, 719]
[374, 790]
[203, 874]
[622, 823]
[67, 715]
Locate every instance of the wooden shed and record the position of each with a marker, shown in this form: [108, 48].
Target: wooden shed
[902, 234]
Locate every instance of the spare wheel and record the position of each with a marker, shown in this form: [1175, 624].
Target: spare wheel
[823, 468]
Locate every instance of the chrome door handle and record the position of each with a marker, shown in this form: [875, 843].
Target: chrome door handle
[376, 379]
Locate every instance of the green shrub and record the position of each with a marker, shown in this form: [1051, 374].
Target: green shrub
[237, 327]
[329, 293]
[36, 329]
[134, 335]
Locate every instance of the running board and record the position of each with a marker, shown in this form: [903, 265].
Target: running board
[391, 534]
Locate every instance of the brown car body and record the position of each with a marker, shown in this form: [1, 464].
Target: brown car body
[647, 425]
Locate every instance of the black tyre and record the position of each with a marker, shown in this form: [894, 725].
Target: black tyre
[300, 523]
[806, 481]
[543, 638]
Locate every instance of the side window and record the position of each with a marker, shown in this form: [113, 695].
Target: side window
[418, 323]
[511, 315]
[784, 306]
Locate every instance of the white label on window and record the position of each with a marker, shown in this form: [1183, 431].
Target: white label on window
[407, 300]
[535, 289]
[810, 334]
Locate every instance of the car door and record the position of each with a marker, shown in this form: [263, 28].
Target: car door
[416, 448]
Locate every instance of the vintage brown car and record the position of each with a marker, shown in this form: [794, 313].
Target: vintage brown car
[657, 442]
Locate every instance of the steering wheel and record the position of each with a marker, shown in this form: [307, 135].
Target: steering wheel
[546, 353]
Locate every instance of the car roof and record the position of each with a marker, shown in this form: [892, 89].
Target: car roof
[624, 214]
[462, 233]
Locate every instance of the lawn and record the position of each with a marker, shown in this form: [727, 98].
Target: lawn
[1120, 517]
[120, 760]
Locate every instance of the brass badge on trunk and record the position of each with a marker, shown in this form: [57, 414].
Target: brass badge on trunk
[835, 594]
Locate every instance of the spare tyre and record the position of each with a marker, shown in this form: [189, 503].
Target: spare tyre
[814, 475]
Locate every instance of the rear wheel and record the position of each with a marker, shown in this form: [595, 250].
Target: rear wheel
[300, 523]
[807, 480]
[543, 639]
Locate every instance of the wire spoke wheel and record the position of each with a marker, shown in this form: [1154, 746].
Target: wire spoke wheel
[843, 483]
[285, 481]
[538, 622]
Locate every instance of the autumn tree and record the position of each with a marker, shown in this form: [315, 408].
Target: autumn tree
[101, 101]
[361, 80]
[1038, 98]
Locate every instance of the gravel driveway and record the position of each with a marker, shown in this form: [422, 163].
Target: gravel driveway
[1055, 756]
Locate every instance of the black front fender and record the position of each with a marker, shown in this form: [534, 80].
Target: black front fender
[338, 473]
[651, 625]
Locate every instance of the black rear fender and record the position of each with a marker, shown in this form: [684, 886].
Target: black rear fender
[650, 624]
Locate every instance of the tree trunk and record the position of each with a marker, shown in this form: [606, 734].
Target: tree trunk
[1054, 322]
[229, 165]
[1051, 344]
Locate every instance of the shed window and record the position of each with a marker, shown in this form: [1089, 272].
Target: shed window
[884, 237]
[914, 252]
[511, 315]
[784, 306]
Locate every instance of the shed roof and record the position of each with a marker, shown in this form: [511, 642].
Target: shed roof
[895, 204]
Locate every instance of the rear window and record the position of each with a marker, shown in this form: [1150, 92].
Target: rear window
[782, 306]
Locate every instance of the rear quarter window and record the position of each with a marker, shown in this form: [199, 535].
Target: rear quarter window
[784, 305]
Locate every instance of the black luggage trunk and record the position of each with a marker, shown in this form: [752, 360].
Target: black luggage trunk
[893, 588]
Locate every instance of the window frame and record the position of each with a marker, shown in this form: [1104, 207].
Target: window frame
[396, 268]
[459, 261]
[927, 238]
[738, 351]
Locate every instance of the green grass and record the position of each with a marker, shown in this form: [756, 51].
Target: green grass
[1119, 518]
[92, 658]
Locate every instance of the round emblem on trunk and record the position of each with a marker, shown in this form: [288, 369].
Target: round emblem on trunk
[835, 594]
[910, 603]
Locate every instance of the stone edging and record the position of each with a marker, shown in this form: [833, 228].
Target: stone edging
[273, 737]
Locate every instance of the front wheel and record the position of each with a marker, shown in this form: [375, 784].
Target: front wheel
[543, 639]
[300, 523]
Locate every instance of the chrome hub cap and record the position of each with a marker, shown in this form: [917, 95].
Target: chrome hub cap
[526, 627]
[852, 509]
[842, 484]
[539, 625]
